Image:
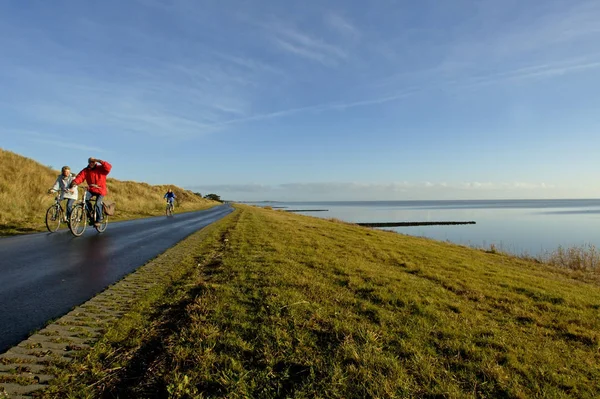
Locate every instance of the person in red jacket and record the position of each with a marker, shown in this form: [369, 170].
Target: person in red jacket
[95, 176]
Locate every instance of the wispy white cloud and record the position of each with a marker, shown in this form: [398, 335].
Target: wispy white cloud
[171, 85]
[195, 88]
[535, 72]
[52, 140]
[256, 67]
[298, 42]
[304, 51]
[342, 26]
[573, 22]
[179, 100]
[545, 41]
[69, 145]
[275, 114]
[111, 106]
[405, 93]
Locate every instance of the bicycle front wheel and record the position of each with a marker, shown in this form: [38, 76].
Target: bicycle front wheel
[169, 211]
[102, 226]
[53, 217]
[78, 220]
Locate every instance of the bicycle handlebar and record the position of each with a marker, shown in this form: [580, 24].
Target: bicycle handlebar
[62, 190]
[86, 188]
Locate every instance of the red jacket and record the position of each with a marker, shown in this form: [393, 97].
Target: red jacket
[96, 175]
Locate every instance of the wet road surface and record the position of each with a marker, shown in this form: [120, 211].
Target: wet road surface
[44, 275]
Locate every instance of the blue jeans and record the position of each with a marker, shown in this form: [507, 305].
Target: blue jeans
[69, 207]
[88, 203]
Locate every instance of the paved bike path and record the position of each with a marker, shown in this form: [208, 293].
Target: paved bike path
[44, 275]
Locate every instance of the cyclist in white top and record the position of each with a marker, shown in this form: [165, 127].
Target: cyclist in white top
[63, 181]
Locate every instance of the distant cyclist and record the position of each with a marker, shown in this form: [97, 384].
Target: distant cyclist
[170, 197]
[63, 187]
[95, 176]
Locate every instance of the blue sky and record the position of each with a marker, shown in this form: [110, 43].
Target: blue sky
[324, 100]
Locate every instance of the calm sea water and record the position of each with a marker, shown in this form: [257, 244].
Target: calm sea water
[518, 226]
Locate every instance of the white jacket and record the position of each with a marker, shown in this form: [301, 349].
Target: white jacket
[62, 183]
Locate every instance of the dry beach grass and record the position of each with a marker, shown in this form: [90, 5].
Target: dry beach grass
[23, 194]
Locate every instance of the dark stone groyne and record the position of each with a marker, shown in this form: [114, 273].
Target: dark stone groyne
[388, 224]
[405, 224]
[306, 210]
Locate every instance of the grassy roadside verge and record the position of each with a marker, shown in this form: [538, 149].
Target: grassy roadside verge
[282, 305]
[124, 314]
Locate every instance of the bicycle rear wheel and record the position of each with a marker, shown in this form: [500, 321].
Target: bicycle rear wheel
[102, 226]
[78, 220]
[53, 217]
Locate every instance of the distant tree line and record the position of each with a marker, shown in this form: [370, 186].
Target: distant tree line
[213, 197]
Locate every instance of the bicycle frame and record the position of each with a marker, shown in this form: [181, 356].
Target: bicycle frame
[91, 211]
[82, 215]
[57, 203]
[169, 208]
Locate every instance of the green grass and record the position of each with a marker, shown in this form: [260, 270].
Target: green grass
[283, 305]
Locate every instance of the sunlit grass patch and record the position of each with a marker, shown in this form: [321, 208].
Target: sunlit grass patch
[295, 306]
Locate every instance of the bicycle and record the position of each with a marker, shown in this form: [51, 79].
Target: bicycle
[55, 215]
[81, 217]
[169, 209]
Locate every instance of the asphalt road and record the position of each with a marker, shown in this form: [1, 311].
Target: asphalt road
[44, 275]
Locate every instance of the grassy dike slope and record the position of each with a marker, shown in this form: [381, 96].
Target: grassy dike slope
[282, 305]
[23, 194]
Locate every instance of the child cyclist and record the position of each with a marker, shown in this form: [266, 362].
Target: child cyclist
[62, 186]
